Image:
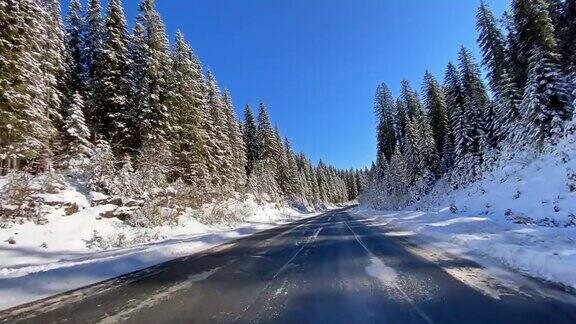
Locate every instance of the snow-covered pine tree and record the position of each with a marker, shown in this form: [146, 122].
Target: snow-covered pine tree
[93, 33]
[237, 147]
[384, 110]
[411, 100]
[399, 175]
[187, 137]
[250, 135]
[455, 104]
[546, 104]
[475, 105]
[154, 116]
[412, 153]
[54, 60]
[400, 120]
[77, 137]
[25, 127]
[506, 93]
[567, 39]
[435, 103]
[220, 148]
[267, 143]
[138, 77]
[111, 84]
[74, 48]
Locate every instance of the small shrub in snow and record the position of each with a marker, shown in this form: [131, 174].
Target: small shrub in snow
[571, 180]
[96, 241]
[44, 245]
[19, 199]
[453, 209]
[571, 221]
[556, 209]
[11, 240]
[548, 222]
[518, 218]
[517, 194]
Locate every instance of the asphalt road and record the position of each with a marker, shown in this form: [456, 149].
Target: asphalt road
[333, 268]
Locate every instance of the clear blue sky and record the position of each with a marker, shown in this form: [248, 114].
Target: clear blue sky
[316, 63]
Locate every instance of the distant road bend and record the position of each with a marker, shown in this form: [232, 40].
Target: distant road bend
[332, 268]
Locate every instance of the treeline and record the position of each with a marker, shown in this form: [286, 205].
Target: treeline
[462, 127]
[85, 93]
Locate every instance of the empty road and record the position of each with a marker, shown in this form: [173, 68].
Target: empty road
[332, 268]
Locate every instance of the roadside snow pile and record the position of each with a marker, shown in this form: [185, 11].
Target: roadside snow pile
[521, 215]
[79, 242]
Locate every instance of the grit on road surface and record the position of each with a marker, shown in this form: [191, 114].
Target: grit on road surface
[333, 268]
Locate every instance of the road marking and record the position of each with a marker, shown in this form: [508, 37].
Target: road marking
[282, 269]
[393, 284]
[308, 241]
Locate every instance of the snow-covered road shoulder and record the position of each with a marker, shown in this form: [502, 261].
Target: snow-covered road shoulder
[547, 253]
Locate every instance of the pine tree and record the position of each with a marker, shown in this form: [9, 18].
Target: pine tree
[54, 59]
[399, 174]
[74, 47]
[546, 103]
[154, 116]
[219, 144]
[384, 109]
[138, 77]
[455, 104]
[435, 103]
[250, 134]
[506, 92]
[93, 35]
[267, 148]
[567, 35]
[188, 138]
[475, 105]
[400, 120]
[25, 126]
[111, 84]
[77, 133]
[237, 146]
[411, 100]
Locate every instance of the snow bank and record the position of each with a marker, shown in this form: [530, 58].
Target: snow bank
[521, 215]
[44, 260]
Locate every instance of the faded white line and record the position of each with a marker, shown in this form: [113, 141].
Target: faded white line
[308, 241]
[387, 276]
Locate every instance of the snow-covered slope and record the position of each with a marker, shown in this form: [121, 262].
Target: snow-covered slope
[72, 251]
[521, 216]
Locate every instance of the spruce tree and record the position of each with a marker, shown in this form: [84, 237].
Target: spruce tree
[188, 138]
[436, 106]
[93, 34]
[77, 133]
[74, 47]
[546, 104]
[111, 84]
[384, 109]
[25, 127]
[475, 105]
[506, 92]
[236, 142]
[455, 104]
[400, 120]
[154, 116]
[220, 148]
[250, 135]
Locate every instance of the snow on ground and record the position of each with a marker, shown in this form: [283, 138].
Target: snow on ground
[53, 258]
[521, 216]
